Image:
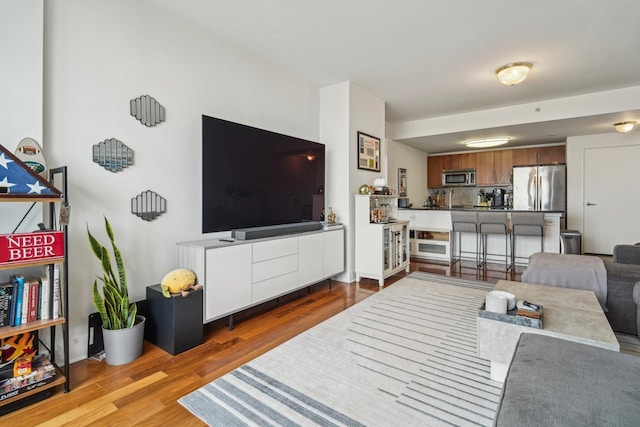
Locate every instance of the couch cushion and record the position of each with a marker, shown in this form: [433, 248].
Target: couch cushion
[627, 254]
[569, 271]
[553, 382]
[623, 310]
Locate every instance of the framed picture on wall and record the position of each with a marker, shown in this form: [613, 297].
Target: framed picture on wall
[368, 152]
[402, 182]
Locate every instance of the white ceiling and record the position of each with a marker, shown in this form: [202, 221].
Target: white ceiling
[428, 58]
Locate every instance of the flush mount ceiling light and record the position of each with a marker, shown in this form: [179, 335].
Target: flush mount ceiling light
[486, 142]
[624, 127]
[514, 73]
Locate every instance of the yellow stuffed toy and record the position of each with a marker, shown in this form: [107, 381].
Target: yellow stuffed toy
[179, 281]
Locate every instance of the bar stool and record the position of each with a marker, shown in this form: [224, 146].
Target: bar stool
[494, 223]
[464, 222]
[526, 224]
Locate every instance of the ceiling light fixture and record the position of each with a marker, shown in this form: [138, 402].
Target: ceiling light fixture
[486, 142]
[514, 73]
[311, 157]
[624, 127]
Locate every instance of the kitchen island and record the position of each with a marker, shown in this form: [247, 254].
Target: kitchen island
[430, 229]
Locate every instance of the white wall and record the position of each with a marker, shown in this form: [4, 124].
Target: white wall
[345, 110]
[21, 44]
[366, 114]
[415, 162]
[21, 33]
[575, 169]
[98, 56]
[334, 133]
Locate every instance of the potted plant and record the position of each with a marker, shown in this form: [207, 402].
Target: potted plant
[122, 327]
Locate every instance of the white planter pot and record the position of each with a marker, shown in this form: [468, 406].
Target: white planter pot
[124, 345]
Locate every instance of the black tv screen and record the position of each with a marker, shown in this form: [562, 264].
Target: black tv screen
[253, 177]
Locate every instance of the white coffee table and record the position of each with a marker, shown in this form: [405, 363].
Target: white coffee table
[570, 314]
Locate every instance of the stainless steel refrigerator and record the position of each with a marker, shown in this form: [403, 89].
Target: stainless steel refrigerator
[539, 188]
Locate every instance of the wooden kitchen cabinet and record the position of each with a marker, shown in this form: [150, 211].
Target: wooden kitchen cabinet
[539, 156]
[459, 161]
[494, 167]
[434, 171]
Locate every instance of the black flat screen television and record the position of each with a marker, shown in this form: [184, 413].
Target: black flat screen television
[253, 177]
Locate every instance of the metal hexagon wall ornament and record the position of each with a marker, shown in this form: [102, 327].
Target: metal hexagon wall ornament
[148, 205]
[113, 155]
[147, 110]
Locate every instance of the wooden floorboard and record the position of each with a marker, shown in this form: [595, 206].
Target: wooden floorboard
[145, 392]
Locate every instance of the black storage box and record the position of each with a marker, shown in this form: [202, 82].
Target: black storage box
[173, 324]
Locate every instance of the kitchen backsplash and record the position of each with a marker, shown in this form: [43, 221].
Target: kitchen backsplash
[466, 196]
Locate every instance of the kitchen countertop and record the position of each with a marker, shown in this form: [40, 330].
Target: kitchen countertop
[472, 208]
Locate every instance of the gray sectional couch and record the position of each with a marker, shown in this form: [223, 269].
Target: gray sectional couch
[553, 382]
[623, 272]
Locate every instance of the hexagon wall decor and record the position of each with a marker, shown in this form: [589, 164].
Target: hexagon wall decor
[112, 155]
[148, 205]
[147, 110]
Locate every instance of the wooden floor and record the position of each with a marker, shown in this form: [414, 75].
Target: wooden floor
[145, 392]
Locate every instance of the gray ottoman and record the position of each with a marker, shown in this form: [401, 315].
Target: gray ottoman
[553, 382]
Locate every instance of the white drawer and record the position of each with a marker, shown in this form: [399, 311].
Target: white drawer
[274, 267]
[274, 249]
[270, 288]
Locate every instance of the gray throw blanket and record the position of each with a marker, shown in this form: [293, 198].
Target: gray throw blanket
[569, 271]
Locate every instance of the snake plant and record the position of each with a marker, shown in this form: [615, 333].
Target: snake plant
[113, 303]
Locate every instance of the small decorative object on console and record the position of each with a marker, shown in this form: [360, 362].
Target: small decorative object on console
[331, 218]
[379, 184]
[364, 189]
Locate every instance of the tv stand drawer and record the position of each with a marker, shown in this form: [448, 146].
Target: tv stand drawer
[276, 286]
[272, 249]
[274, 267]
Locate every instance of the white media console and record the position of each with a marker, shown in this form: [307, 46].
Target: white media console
[240, 274]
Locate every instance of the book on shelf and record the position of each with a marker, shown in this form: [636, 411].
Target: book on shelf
[32, 306]
[5, 304]
[25, 301]
[42, 372]
[45, 293]
[17, 280]
[39, 300]
[16, 346]
[55, 303]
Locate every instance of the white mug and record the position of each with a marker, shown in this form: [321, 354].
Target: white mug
[511, 299]
[496, 303]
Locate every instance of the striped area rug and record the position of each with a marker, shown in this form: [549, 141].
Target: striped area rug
[406, 356]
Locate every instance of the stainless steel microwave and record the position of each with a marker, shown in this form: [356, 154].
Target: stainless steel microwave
[459, 178]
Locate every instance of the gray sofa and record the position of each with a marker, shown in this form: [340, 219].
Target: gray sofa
[553, 382]
[623, 272]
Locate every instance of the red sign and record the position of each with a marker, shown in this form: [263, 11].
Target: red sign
[21, 248]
